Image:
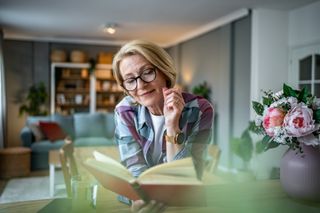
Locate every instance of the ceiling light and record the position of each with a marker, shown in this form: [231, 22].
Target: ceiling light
[110, 28]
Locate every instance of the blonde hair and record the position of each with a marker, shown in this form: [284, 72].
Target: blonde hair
[154, 54]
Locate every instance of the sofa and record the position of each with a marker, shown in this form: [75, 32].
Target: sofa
[85, 129]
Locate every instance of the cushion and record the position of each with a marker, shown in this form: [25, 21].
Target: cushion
[52, 130]
[89, 125]
[37, 132]
[65, 122]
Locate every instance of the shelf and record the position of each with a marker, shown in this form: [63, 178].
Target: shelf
[73, 105]
[72, 82]
[104, 66]
[105, 105]
[73, 91]
[110, 92]
[106, 79]
[70, 65]
[74, 78]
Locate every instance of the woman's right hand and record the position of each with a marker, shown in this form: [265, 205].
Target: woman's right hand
[140, 206]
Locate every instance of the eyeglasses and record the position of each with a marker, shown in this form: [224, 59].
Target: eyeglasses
[146, 76]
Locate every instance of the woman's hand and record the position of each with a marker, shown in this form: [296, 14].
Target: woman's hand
[152, 207]
[173, 106]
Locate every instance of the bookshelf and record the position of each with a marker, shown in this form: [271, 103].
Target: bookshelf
[75, 89]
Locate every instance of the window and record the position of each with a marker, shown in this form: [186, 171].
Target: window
[305, 70]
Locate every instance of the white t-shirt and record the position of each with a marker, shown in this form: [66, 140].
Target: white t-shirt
[158, 128]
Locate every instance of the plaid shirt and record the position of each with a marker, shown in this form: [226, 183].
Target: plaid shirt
[134, 133]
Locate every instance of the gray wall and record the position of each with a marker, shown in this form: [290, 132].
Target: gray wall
[18, 62]
[27, 63]
[222, 59]
[240, 97]
[2, 96]
[207, 58]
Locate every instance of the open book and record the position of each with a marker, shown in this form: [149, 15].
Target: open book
[174, 183]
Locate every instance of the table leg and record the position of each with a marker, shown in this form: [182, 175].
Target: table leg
[51, 179]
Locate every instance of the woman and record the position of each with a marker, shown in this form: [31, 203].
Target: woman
[156, 122]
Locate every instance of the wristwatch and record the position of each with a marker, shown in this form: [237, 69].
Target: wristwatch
[177, 139]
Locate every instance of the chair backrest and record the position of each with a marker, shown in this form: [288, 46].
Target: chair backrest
[214, 154]
[68, 164]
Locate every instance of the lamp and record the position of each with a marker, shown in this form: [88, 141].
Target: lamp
[110, 28]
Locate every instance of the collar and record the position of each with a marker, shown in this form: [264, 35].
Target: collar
[144, 117]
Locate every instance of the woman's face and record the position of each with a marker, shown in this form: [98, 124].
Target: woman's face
[146, 94]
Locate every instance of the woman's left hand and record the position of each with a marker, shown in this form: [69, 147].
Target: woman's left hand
[173, 106]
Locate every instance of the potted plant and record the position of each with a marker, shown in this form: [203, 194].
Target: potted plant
[35, 103]
[203, 90]
[243, 148]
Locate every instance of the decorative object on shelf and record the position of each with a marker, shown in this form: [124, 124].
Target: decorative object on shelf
[292, 117]
[106, 86]
[105, 58]
[78, 56]
[78, 99]
[103, 74]
[61, 99]
[35, 103]
[84, 73]
[203, 90]
[58, 56]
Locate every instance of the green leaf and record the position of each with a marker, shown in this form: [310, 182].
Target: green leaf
[258, 108]
[316, 116]
[288, 91]
[272, 144]
[35, 100]
[265, 144]
[303, 95]
[266, 101]
[260, 147]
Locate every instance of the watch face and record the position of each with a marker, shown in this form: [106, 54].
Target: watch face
[180, 138]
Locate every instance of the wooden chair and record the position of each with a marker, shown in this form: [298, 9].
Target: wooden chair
[214, 154]
[68, 164]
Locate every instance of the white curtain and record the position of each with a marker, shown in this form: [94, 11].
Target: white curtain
[2, 95]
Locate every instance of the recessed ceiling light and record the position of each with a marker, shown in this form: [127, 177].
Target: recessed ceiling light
[110, 28]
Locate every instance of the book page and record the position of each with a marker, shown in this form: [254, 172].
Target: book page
[179, 168]
[110, 169]
[108, 165]
[104, 158]
[160, 179]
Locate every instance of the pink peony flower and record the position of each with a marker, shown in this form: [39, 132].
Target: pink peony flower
[299, 121]
[273, 118]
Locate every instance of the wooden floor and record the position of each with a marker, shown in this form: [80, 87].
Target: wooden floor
[3, 182]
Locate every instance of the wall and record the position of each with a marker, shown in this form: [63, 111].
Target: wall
[18, 58]
[2, 96]
[304, 25]
[207, 58]
[304, 37]
[269, 70]
[240, 85]
[26, 63]
[222, 59]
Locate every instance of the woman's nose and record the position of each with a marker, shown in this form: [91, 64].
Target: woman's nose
[140, 83]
